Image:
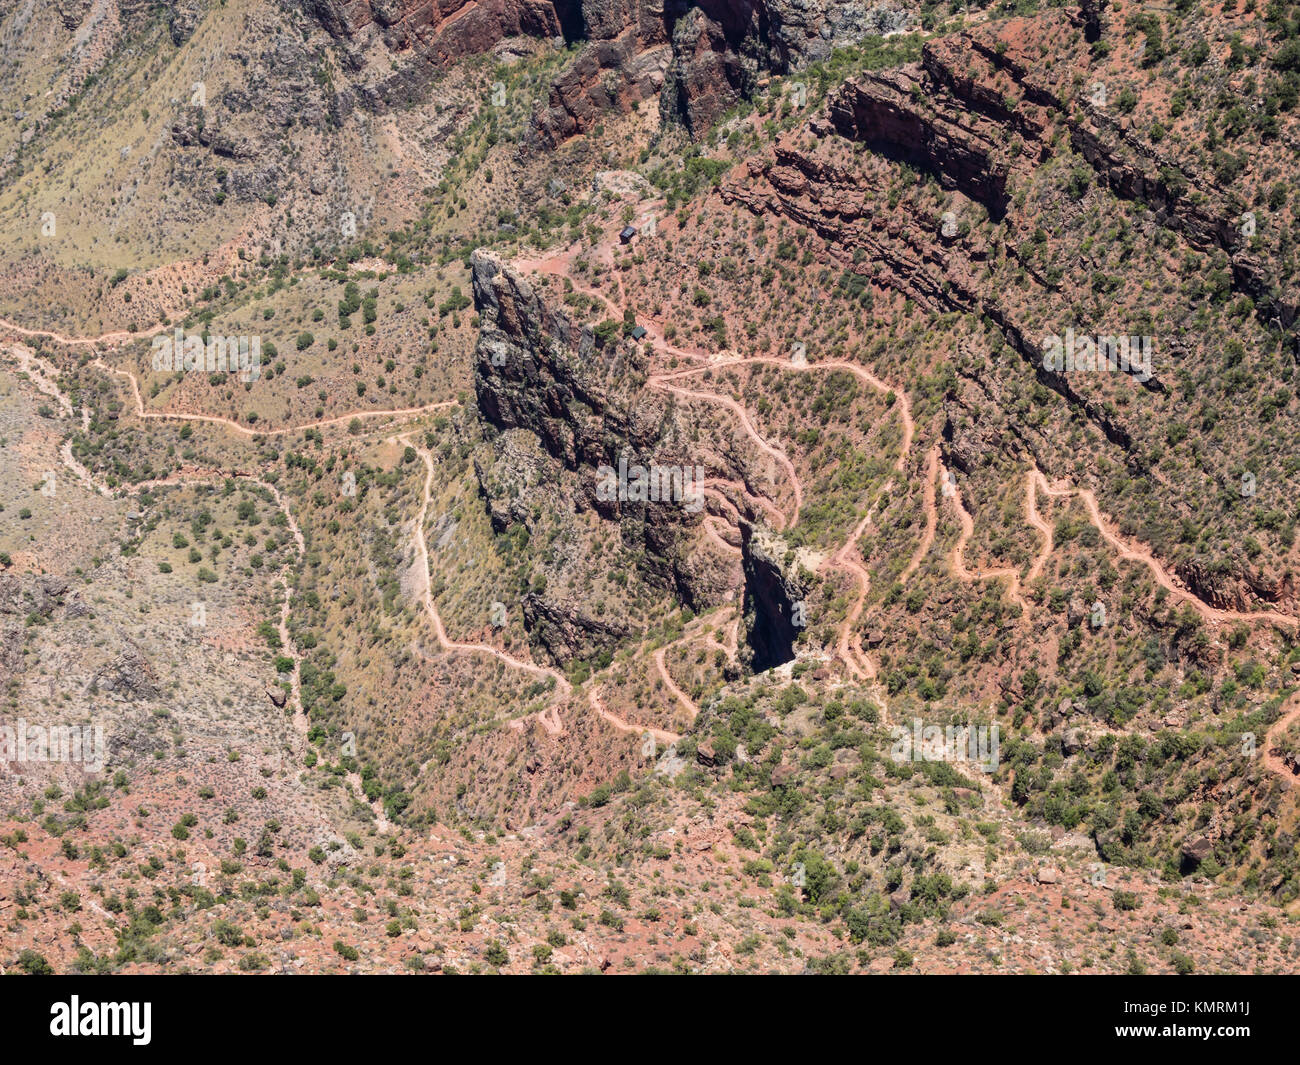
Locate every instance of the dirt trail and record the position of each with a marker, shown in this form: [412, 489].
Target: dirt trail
[702, 622]
[1036, 482]
[660, 735]
[1130, 552]
[662, 382]
[120, 336]
[931, 514]
[900, 398]
[42, 377]
[1272, 761]
[711, 531]
[856, 661]
[1033, 480]
[682, 697]
[404, 413]
[216, 477]
[959, 569]
[549, 718]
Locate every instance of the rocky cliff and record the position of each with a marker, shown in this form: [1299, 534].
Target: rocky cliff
[584, 405]
[698, 58]
[774, 599]
[701, 58]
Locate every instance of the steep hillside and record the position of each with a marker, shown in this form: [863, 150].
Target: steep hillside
[769, 487]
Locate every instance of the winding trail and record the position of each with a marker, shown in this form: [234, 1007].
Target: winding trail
[962, 573]
[931, 514]
[402, 413]
[661, 381]
[549, 718]
[191, 477]
[1033, 481]
[665, 381]
[857, 660]
[844, 559]
[1130, 552]
[1273, 762]
[1126, 550]
[117, 337]
[660, 735]
[687, 703]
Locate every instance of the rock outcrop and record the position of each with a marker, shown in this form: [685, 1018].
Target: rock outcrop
[568, 632]
[886, 113]
[564, 405]
[607, 76]
[707, 56]
[130, 675]
[773, 603]
[699, 58]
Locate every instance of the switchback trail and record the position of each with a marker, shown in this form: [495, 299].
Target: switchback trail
[1127, 551]
[549, 718]
[1011, 574]
[1272, 761]
[403, 413]
[660, 735]
[856, 661]
[1131, 552]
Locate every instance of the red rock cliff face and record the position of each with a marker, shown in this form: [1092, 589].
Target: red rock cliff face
[608, 76]
[625, 62]
[537, 370]
[700, 57]
[882, 111]
[442, 30]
